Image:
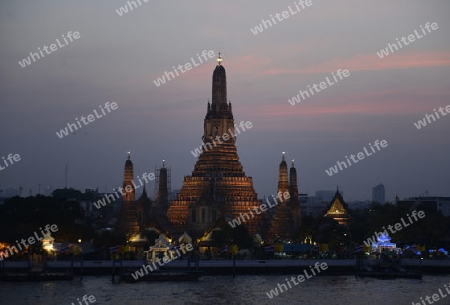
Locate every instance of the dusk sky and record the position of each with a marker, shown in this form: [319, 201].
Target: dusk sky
[117, 58]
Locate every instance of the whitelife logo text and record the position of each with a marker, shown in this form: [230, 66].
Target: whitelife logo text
[395, 228]
[411, 38]
[31, 240]
[274, 292]
[27, 61]
[165, 260]
[120, 190]
[86, 120]
[187, 66]
[360, 155]
[243, 217]
[323, 85]
[226, 136]
[9, 160]
[423, 123]
[281, 17]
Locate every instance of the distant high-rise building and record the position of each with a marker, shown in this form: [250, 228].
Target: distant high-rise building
[378, 194]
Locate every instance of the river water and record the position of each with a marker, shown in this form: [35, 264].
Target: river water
[327, 290]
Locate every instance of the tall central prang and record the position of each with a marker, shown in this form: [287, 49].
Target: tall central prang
[219, 117]
[218, 185]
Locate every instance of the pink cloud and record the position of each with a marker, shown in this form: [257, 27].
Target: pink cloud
[257, 65]
[388, 102]
[365, 62]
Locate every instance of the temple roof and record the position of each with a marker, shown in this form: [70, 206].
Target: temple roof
[143, 199]
[338, 209]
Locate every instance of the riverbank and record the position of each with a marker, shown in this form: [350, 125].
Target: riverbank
[225, 267]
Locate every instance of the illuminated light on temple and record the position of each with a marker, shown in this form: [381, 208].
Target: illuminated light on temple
[383, 242]
[47, 244]
[137, 238]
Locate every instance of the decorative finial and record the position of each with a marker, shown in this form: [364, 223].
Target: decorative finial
[164, 163]
[292, 162]
[219, 60]
[129, 154]
[283, 154]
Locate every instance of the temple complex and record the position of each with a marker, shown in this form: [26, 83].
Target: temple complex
[217, 190]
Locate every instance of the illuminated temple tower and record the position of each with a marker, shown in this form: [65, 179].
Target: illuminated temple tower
[294, 201]
[128, 218]
[162, 187]
[161, 204]
[218, 184]
[287, 214]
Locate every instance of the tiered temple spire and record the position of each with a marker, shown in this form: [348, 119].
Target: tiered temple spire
[128, 219]
[293, 191]
[283, 226]
[218, 184]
